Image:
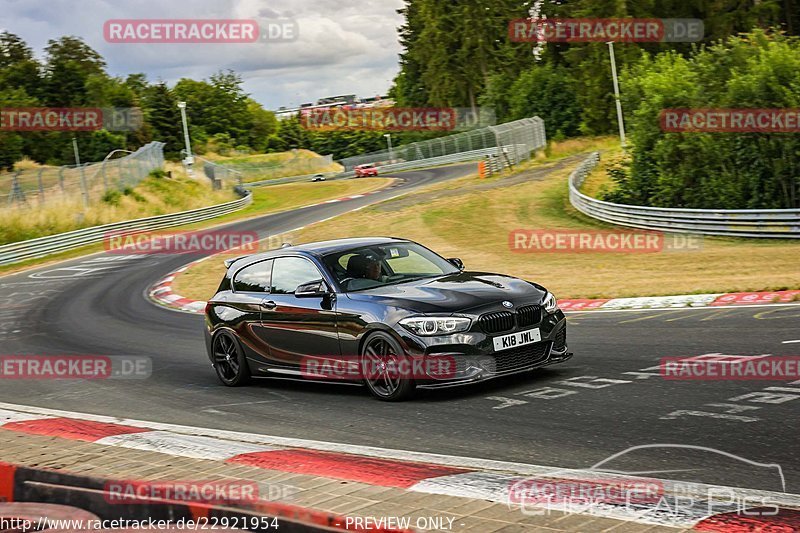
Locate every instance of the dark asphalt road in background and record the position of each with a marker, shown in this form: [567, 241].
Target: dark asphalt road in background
[605, 400]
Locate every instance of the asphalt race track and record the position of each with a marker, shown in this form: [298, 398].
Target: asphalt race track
[607, 399]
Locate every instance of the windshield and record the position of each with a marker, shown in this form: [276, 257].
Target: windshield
[374, 266]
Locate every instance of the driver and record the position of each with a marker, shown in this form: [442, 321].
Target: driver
[372, 270]
[364, 267]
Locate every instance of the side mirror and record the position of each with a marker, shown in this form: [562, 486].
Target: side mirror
[314, 289]
[456, 262]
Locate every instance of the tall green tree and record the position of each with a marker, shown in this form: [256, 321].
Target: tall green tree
[18, 67]
[69, 65]
[163, 118]
[713, 170]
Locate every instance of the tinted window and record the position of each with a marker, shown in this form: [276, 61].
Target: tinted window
[254, 278]
[385, 264]
[291, 272]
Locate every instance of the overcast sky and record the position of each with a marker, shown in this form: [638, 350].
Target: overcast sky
[344, 46]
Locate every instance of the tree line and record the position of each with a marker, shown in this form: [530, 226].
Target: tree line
[460, 54]
[222, 117]
[72, 74]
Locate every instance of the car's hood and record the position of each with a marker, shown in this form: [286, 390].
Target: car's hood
[454, 293]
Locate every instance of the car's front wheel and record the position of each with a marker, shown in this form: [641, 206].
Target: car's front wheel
[229, 360]
[386, 370]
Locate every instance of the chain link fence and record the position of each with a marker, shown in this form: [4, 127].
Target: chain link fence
[220, 175]
[514, 141]
[90, 181]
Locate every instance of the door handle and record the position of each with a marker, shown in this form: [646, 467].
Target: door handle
[268, 304]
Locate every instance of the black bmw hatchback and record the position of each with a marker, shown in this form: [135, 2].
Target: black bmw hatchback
[386, 312]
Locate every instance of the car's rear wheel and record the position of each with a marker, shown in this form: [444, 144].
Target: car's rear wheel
[229, 360]
[386, 370]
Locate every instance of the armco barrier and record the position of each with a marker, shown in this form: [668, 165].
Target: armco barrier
[474, 155]
[329, 176]
[43, 246]
[759, 223]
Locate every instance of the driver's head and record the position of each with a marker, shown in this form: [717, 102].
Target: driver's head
[373, 269]
[362, 266]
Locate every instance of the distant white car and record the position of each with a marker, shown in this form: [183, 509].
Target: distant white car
[318, 177]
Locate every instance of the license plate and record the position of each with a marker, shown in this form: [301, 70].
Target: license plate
[515, 340]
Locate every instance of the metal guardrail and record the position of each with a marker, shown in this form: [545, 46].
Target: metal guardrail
[43, 246]
[405, 165]
[294, 179]
[474, 155]
[756, 223]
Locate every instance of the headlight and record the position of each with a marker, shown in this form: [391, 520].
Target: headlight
[435, 325]
[550, 304]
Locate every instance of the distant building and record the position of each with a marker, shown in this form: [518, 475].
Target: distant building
[347, 99]
[330, 102]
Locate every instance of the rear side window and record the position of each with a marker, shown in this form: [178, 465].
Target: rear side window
[291, 272]
[254, 278]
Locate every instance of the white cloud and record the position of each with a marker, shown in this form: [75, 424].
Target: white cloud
[344, 46]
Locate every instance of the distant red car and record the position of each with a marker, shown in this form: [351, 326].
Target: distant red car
[365, 171]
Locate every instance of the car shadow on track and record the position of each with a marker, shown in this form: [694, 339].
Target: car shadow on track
[498, 386]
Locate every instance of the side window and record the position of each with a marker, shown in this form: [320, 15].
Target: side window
[254, 278]
[291, 272]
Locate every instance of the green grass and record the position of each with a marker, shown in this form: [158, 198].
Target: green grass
[476, 224]
[277, 165]
[265, 200]
[153, 196]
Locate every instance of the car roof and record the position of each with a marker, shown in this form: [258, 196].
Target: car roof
[321, 248]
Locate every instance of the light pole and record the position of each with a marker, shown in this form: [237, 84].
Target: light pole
[616, 93]
[189, 159]
[389, 140]
[84, 190]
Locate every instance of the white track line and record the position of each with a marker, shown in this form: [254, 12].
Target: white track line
[193, 446]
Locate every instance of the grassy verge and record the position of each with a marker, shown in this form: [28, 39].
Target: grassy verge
[277, 165]
[265, 200]
[153, 196]
[472, 219]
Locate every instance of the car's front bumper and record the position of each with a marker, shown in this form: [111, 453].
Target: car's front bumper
[470, 356]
